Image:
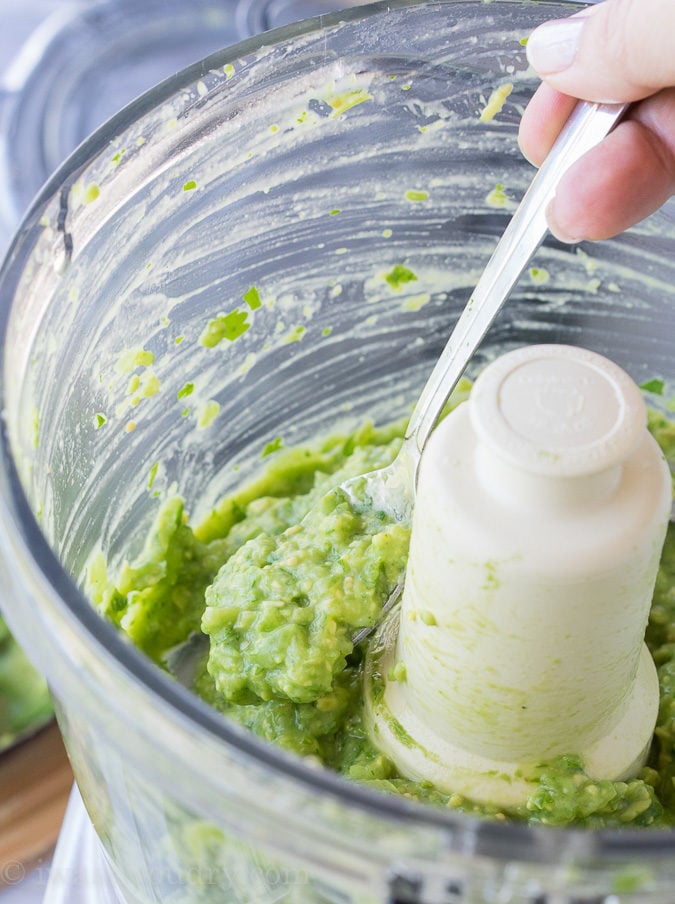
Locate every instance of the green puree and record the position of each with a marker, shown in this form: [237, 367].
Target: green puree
[276, 603]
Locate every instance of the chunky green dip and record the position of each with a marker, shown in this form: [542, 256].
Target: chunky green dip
[263, 599]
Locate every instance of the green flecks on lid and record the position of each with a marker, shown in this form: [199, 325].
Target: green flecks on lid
[400, 276]
[406, 87]
[523, 41]
[274, 127]
[655, 386]
[133, 384]
[414, 195]
[539, 275]
[178, 340]
[228, 70]
[202, 89]
[274, 446]
[131, 358]
[387, 233]
[130, 427]
[153, 474]
[208, 411]
[335, 211]
[117, 158]
[428, 618]
[91, 193]
[326, 331]
[190, 185]
[252, 298]
[348, 99]
[164, 321]
[226, 326]
[185, 412]
[185, 391]
[140, 142]
[496, 102]
[44, 221]
[99, 420]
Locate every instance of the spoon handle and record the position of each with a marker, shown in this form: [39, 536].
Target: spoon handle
[587, 125]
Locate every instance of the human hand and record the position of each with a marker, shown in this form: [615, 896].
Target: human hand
[615, 51]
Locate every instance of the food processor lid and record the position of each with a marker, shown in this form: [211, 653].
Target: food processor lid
[67, 65]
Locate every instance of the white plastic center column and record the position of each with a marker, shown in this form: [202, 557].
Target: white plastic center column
[540, 515]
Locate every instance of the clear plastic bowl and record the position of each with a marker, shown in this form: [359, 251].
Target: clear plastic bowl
[230, 175]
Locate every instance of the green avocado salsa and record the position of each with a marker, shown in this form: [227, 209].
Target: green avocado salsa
[270, 590]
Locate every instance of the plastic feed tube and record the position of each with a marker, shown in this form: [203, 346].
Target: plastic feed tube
[540, 514]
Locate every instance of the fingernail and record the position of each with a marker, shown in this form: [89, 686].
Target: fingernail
[557, 231]
[553, 46]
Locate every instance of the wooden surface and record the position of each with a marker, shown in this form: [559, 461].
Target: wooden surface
[35, 781]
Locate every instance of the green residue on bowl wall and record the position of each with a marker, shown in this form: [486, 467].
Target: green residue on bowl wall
[295, 334]
[399, 276]
[414, 195]
[347, 99]
[153, 474]
[207, 413]
[654, 386]
[226, 326]
[252, 298]
[91, 193]
[539, 275]
[131, 358]
[416, 302]
[35, 424]
[496, 102]
[498, 198]
[274, 446]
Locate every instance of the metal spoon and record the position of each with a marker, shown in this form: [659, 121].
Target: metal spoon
[392, 489]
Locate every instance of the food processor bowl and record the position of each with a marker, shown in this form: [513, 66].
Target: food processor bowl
[316, 165]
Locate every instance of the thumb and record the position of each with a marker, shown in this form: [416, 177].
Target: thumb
[617, 50]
